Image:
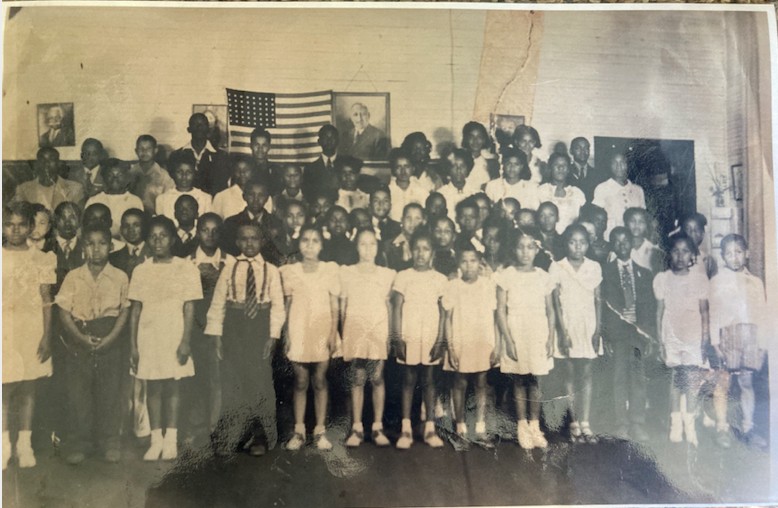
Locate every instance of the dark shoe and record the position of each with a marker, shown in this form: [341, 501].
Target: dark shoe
[257, 450]
[638, 433]
[724, 438]
[113, 456]
[75, 458]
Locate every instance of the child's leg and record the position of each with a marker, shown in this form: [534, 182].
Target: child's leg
[154, 403]
[458, 394]
[26, 394]
[747, 399]
[9, 392]
[520, 396]
[585, 377]
[409, 385]
[480, 401]
[720, 398]
[428, 385]
[171, 396]
[320, 393]
[359, 377]
[675, 389]
[302, 379]
[534, 395]
[379, 391]
[692, 389]
[569, 368]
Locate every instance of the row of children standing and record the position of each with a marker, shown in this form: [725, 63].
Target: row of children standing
[543, 287]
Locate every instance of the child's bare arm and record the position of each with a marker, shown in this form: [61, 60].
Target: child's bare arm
[448, 323]
[135, 310]
[705, 315]
[44, 348]
[502, 324]
[397, 314]
[335, 313]
[184, 349]
[597, 319]
[565, 339]
[551, 316]
[660, 310]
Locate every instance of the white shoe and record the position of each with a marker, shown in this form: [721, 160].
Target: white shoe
[690, 428]
[355, 438]
[707, 421]
[170, 446]
[433, 440]
[297, 442]
[379, 438]
[676, 427]
[405, 441]
[155, 450]
[524, 435]
[538, 439]
[322, 443]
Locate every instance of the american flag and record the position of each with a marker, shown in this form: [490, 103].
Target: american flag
[293, 120]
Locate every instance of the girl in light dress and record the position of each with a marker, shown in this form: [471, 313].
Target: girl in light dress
[683, 323]
[163, 291]
[568, 199]
[644, 252]
[526, 318]
[311, 290]
[578, 308]
[418, 330]
[28, 277]
[365, 308]
[469, 303]
[477, 141]
[516, 181]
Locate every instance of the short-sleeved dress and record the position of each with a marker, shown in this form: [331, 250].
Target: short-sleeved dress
[681, 331]
[576, 296]
[473, 331]
[526, 294]
[366, 323]
[23, 273]
[163, 288]
[310, 317]
[420, 312]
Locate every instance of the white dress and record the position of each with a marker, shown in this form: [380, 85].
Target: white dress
[420, 312]
[569, 205]
[163, 288]
[681, 331]
[310, 315]
[24, 271]
[524, 191]
[366, 323]
[576, 296]
[473, 331]
[526, 294]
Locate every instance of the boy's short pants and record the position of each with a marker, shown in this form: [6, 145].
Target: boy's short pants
[739, 347]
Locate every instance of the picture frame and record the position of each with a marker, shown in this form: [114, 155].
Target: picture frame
[737, 175]
[56, 126]
[501, 127]
[217, 122]
[374, 140]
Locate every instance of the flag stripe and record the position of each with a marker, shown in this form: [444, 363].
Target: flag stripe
[327, 113]
[295, 105]
[276, 135]
[303, 95]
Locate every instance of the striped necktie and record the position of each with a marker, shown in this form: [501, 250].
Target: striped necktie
[252, 305]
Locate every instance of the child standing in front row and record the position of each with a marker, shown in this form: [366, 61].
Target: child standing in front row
[469, 304]
[365, 304]
[417, 326]
[683, 325]
[739, 327]
[311, 290]
[163, 291]
[525, 315]
[577, 301]
[28, 277]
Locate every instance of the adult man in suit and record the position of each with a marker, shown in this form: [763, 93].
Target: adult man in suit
[59, 133]
[629, 328]
[88, 173]
[266, 171]
[48, 188]
[319, 176]
[582, 174]
[212, 171]
[135, 251]
[363, 140]
[256, 194]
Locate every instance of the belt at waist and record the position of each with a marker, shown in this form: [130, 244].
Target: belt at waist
[242, 306]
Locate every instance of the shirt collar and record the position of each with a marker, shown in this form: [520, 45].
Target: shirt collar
[62, 242]
[627, 263]
[201, 257]
[332, 159]
[256, 259]
[207, 148]
[137, 248]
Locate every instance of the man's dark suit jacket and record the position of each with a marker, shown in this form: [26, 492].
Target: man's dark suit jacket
[122, 260]
[319, 179]
[271, 226]
[588, 184]
[67, 263]
[616, 329]
[372, 144]
[213, 171]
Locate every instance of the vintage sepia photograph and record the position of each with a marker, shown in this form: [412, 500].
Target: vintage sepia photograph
[351, 255]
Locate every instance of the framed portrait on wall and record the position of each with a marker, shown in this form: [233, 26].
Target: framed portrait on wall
[501, 127]
[56, 125]
[363, 122]
[217, 123]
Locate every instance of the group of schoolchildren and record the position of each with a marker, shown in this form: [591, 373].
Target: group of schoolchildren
[490, 265]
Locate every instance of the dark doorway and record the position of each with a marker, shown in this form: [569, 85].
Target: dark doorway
[664, 168]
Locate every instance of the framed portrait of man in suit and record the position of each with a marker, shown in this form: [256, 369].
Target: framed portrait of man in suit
[56, 125]
[217, 123]
[501, 127]
[362, 120]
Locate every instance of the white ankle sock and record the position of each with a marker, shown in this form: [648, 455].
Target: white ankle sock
[171, 434]
[462, 428]
[319, 429]
[358, 427]
[429, 427]
[406, 425]
[299, 428]
[480, 427]
[378, 426]
[24, 440]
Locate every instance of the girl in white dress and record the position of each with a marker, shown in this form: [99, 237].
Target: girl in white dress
[477, 141]
[516, 181]
[28, 277]
[568, 198]
[365, 307]
[577, 301]
[163, 292]
[526, 318]
[469, 303]
[644, 252]
[418, 328]
[311, 290]
[683, 323]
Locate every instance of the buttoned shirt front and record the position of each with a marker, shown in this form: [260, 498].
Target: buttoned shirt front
[147, 185]
[414, 193]
[616, 198]
[87, 298]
